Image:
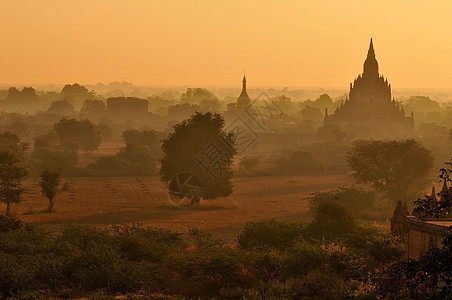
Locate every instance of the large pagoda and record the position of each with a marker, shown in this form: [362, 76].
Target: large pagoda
[369, 103]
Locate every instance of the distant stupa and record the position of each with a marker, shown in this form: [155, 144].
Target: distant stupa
[369, 103]
[243, 101]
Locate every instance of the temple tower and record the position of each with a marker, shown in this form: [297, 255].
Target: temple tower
[243, 101]
[370, 104]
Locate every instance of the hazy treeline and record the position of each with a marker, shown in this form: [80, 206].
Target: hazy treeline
[76, 121]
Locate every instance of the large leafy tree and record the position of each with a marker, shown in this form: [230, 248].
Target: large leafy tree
[200, 146]
[11, 176]
[80, 134]
[393, 167]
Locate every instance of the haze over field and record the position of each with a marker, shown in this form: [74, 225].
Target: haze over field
[281, 43]
[252, 149]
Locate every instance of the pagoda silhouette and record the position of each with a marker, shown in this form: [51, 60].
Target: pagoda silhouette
[369, 103]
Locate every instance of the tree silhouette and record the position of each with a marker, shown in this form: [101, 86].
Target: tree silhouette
[81, 134]
[200, 146]
[11, 176]
[197, 95]
[435, 206]
[76, 92]
[94, 108]
[10, 142]
[50, 182]
[62, 107]
[392, 167]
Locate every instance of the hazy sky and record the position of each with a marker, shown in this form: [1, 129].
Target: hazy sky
[202, 43]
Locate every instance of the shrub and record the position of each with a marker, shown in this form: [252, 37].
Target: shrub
[358, 201]
[269, 234]
[9, 223]
[317, 285]
[273, 262]
[332, 220]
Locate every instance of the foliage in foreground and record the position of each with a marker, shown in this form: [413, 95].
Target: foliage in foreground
[285, 260]
[429, 277]
[361, 203]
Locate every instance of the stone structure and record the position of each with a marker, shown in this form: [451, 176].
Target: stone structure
[369, 103]
[418, 235]
[243, 101]
[127, 107]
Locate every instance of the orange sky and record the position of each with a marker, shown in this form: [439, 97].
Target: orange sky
[201, 43]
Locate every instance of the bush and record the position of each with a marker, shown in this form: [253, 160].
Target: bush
[358, 201]
[8, 223]
[317, 285]
[428, 277]
[269, 235]
[273, 262]
[332, 220]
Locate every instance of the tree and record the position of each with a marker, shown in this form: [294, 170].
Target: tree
[50, 182]
[430, 276]
[147, 138]
[106, 131]
[48, 152]
[249, 162]
[11, 176]
[358, 201]
[76, 92]
[324, 101]
[94, 108]
[180, 111]
[331, 220]
[141, 150]
[81, 134]
[197, 95]
[331, 132]
[200, 146]
[435, 206]
[312, 114]
[392, 167]
[23, 100]
[138, 157]
[285, 103]
[10, 142]
[421, 104]
[62, 107]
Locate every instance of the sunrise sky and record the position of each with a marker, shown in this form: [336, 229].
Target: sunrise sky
[279, 43]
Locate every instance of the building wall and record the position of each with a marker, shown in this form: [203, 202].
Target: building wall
[420, 242]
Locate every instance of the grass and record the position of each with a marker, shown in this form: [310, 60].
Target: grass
[126, 200]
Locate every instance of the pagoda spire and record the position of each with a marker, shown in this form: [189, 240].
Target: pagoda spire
[371, 64]
[445, 189]
[244, 100]
[433, 193]
[371, 51]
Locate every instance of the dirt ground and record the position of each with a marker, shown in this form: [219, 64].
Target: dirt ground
[127, 200]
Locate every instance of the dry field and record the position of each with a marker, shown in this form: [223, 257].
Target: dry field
[127, 200]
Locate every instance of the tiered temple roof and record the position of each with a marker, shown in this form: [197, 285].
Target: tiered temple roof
[369, 102]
